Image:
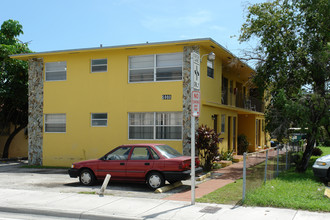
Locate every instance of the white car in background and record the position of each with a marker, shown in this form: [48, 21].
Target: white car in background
[321, 167]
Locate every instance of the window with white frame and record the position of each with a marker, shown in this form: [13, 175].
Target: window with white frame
[55, 71]
[156, 67]
[141, 125]
[55, 123]
[223, 123]
[210, 69]
[155, 125]
[169, 125]
[99, 119]
[99, 65]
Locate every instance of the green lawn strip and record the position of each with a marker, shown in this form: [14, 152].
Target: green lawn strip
[326, 150]
[291, 190]
[229, 194]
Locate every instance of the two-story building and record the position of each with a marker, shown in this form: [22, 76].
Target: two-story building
[85, 102]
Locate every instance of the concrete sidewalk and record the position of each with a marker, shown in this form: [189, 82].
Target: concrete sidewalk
[82, 206]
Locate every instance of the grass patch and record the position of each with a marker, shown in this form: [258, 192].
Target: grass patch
[325, 150]
[229, 194]
[291, 190]
[88, 193]
[43, 167]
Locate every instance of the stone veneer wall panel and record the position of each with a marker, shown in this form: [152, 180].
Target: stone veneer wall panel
[187, 98]
[35, 126]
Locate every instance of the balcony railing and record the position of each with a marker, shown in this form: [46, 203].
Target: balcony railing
[245, 102]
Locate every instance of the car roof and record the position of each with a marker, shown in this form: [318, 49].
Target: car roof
[132, 145]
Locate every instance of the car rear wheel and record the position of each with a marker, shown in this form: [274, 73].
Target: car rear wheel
[87, 177]
[155, 180]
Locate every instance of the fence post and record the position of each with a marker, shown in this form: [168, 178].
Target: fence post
[244, 176]
[286, 157]
[278, 151]
[265, 176]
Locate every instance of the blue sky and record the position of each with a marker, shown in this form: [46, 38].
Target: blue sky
[71, 24]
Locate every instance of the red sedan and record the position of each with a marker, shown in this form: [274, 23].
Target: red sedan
[150, 163]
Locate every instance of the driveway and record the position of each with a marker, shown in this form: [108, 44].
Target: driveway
[13, 176]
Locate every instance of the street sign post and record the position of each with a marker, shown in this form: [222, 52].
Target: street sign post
[195, 111]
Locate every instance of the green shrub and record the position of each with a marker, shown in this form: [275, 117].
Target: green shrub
[296, 157]
[228, 155]
[242, 144]
[207, 145]
[317, 151]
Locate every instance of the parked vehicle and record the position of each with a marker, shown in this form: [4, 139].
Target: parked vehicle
[150, 163]
[321, 167]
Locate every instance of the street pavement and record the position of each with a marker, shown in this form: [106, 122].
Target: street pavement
[92, 206]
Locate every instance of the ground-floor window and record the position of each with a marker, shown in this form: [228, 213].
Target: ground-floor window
[155, 125]
[223, 123]
[55, 123]
[99, 119]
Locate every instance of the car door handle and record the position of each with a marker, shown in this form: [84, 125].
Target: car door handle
[146, 163]
[122, 163]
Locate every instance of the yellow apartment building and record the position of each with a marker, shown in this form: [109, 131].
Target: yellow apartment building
[85, 102]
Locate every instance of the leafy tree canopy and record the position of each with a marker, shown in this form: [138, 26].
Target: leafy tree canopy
[13, 80]
[292, 65]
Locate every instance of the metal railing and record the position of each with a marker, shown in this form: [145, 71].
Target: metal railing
[241, 101]
[260, 167]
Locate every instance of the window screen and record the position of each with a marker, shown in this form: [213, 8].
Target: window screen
[55, 123]
[55, 71]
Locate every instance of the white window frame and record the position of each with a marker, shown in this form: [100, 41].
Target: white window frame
[210, 64]
[154, 126]
[45, 123]
[102, 71]
[106, 119]
[154, 68]
[55, 71]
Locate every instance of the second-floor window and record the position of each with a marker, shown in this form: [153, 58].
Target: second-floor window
[210, 69]
[156, 67]
[99, 65]
[55, 71]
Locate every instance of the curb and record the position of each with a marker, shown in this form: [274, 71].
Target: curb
[201, 178]
[169, 187]
[63, 214]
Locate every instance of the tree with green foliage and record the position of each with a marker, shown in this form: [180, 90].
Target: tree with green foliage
[13, 81]
[292, 65]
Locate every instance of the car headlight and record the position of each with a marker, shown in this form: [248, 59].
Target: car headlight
[320, 163]
[72, 166]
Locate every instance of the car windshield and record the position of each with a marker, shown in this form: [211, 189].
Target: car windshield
[168, 151]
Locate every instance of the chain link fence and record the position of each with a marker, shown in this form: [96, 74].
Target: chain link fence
[265, 165]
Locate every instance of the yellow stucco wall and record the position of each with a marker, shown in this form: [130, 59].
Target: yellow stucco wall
[84, 93]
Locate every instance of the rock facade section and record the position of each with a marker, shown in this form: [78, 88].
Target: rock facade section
[186, 111]
[35, 126]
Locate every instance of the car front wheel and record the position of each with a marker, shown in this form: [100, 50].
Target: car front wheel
[87, 177]
[155, 180]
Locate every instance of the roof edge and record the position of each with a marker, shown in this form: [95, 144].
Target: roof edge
[113, 47]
